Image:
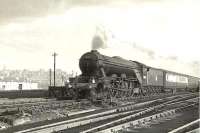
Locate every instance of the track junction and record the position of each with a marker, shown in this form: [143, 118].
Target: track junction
[120, 118]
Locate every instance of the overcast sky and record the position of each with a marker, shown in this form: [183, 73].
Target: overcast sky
[159, 33]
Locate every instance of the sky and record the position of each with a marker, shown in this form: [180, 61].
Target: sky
[159, 33]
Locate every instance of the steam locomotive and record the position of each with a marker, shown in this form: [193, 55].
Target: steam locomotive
[104, 77]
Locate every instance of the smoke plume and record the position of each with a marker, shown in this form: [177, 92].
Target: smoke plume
[97, 43]
[134, 51]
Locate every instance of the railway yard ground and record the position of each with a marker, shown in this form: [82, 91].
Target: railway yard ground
[152, 114]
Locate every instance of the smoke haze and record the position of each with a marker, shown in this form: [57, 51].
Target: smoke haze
[163, 34]
[133, 51]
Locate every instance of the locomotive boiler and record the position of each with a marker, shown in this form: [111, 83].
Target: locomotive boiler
[97, 65]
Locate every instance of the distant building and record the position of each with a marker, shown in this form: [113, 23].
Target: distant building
[18, 86]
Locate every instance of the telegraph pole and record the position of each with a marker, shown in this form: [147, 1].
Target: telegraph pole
[54, 68]
[50, 76]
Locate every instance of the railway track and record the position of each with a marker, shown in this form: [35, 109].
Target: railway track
[30, 103]
[33, 112]
[96, 121]
[44, 102]
[120, 118]
[41, 106]
[140, 118]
